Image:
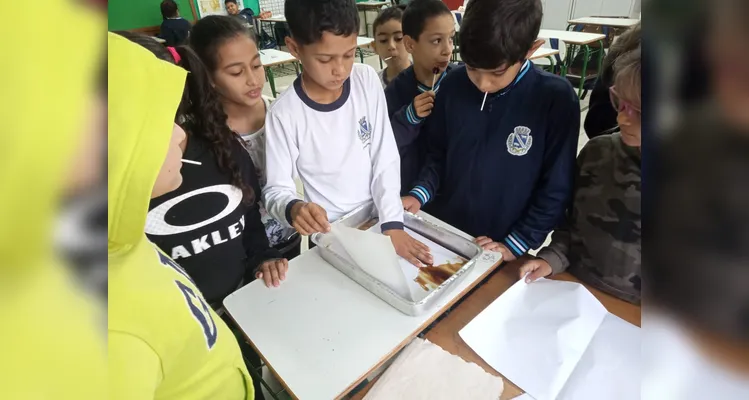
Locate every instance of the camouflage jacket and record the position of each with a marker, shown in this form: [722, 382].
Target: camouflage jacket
[600, 241]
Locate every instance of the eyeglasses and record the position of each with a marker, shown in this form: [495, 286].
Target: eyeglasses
[622, 105]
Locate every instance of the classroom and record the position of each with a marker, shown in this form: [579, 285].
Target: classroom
[375, 199]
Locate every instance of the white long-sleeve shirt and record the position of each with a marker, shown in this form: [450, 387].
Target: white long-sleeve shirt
[344, 152]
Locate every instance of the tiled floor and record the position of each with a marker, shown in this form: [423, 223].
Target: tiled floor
[283, 82]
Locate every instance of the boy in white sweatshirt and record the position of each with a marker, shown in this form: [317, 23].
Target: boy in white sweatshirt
[332, 130]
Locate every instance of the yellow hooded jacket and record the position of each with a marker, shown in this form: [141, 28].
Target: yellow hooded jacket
[165, 342]
[52, 343]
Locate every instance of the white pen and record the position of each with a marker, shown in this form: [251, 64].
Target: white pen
[191, 162]
[482, 103]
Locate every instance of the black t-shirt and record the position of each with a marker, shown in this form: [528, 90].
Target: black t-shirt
[206, 227]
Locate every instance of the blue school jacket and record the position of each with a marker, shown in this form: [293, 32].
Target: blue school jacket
[505, 172]
[400, 94]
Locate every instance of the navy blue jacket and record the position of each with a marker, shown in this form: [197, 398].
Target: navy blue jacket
[175, 31]
[400, 94]
[505, 172]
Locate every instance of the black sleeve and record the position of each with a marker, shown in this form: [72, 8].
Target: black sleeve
[254, 237]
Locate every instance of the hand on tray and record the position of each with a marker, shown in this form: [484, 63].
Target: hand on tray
[309, 218]
[487, 243]
[410, 204]
[273, 272]
[409, 248]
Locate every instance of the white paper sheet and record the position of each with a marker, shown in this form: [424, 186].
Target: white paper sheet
[555, 340]
[524, 396]
[375, 254]
[425, 371]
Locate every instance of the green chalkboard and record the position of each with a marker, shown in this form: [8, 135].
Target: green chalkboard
[132, 14]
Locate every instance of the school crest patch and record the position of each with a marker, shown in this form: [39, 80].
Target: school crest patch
[365, 132]
[519, 141]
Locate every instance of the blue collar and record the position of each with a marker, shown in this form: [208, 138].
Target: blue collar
[523, 70]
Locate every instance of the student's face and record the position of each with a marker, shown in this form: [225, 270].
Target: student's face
[327, 62]
[494, 80]
[169, 177]
[628, 118]
[232, 9]
[389, 41]
[434, 46]
[239, 75]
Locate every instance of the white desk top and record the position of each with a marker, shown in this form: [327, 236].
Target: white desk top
[321, 332]
[568, 37]
[615, 22]
[364, 41]
[275, 18]
[270, 57]
[543, 52]
[373, 3]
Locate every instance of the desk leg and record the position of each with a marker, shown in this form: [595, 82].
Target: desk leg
[366, 24]
[584, 72]
[600, 57]
[269, 72]
[296, 68]
[275, 37]
[361, 54]
[551, 63]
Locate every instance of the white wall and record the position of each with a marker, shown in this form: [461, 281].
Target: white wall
[557, 12]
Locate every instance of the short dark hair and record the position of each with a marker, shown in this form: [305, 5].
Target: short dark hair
[308, 19]
[169, 9]
[386, 15]
[418, 12]
[209, 33]
[231, 1]
[494, 33]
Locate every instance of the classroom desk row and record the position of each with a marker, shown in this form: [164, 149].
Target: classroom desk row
[322, 334]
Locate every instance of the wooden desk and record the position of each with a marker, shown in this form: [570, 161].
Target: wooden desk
[445, 332]
[271, 57]
[573, 39]
[321, 333]
[602, 21]
[545, 52]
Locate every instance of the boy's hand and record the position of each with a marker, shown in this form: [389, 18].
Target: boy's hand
[423, 104]
[273, 272]
[487, 243]
[410, 204]
[535, 268]
[309, 218]
[409, 248]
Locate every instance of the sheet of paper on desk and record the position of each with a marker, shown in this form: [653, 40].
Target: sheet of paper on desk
[555, 340]
[375, 254]
[424, 371]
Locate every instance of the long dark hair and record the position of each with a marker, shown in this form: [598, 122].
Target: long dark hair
[201, 113]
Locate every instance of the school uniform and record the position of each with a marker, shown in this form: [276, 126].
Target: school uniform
[344, 152]
[278, 235]
[400, 94]
[505, 172]
[175, 31]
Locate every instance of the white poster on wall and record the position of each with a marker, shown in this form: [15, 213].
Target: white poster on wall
[214, 7]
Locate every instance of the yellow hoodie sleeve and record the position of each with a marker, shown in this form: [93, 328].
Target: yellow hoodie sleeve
[135, 369]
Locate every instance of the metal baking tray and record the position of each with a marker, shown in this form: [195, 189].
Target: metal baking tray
[449, 240]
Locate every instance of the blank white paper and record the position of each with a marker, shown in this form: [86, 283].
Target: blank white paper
[375, 254]
[548, 337]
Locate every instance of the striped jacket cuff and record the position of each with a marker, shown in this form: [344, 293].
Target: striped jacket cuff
[421, 194]
[411, 116]
[516, 244]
